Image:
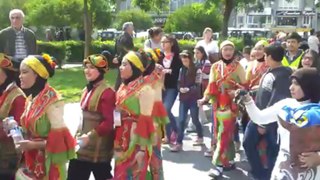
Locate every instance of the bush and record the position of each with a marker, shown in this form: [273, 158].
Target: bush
[72, 51]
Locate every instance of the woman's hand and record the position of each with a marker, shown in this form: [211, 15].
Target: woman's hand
[84, 139]
[139, 159]
[202, 101]
[310, 160]
[27, 145]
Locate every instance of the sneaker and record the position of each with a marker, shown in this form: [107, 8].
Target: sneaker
[176, 148]
[208, 153]
[190, 130]
[173, 138]
[230, 168]
[216, 172]
[198, 142]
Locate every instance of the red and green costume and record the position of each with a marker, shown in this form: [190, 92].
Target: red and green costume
[137, 129]
[12, 103]
[254, 74]
[42, 120]
[160, 117]
[224, 79]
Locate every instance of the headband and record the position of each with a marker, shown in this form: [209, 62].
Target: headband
[153, 54]
[135, 60]
[38, 66]
[97, 60]
[6, 63]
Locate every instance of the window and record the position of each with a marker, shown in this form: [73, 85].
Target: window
[307, 20]
[287, 21]
[250, 19]
[291, 5]
[240, 19]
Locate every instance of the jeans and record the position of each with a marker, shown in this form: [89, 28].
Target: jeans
[81, 170]
[183, 112]
[250, 143]
[169, 97]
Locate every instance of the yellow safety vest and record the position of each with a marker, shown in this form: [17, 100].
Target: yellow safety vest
[294, 64]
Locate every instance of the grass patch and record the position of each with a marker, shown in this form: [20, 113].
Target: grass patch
[70, 82]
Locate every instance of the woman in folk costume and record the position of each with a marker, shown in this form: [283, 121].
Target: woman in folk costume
[96, 135]
[153, 75]
[298, 127]
[12, 103]
[135, 130]
[48, 144]
[256, 69]
[226, 76]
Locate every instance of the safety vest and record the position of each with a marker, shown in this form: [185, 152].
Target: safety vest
[294, 64]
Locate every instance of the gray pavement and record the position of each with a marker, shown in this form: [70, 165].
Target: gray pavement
[189, 164]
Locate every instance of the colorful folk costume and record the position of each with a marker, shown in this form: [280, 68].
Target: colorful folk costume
[42, 122]
[225, 77]
[135, 133]
[153, 76]
[256, 69]
[12, 103]
[298, 127]
[98, 104]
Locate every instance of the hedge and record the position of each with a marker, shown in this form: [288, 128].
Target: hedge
[72, 51]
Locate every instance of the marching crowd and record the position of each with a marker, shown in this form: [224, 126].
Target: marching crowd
[274, 89]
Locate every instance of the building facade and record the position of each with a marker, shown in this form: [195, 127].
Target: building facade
[278, 14]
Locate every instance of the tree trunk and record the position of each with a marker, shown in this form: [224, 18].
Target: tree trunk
[228, 7]
[87, 29]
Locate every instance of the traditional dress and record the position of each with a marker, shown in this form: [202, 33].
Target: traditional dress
[12, 103]
[254, 74]
[224, 78]
[160, 118]
[136, 133]
[97, 104]
[43, 121]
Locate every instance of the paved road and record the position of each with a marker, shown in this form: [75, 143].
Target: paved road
[189, 164]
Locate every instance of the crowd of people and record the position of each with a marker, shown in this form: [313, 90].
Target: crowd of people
[272, 90]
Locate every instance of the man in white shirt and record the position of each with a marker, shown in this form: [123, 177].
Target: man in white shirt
[313, 41]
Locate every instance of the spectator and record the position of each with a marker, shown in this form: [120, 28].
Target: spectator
[274, 86]
[293, 54]
[209, 45]
[172, 64]
[189, 88]
[310, 59]
[246, 57]
[154, 41]
[313, 41]
[17, 41]
[123, 45]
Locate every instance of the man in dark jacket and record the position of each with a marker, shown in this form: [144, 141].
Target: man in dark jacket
[274, 86]
[17, 41]
[123, 45]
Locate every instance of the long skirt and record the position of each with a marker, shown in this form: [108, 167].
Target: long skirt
[224, 129]
[125, 166]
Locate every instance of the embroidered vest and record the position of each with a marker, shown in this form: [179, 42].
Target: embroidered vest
[99, 149]
[8, 156]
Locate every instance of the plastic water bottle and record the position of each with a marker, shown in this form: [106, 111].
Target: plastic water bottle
[14, 130]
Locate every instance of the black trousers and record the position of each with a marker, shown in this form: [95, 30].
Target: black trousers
[7, 176]
[81, 170]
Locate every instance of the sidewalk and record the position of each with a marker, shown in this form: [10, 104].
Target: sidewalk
[189, 164]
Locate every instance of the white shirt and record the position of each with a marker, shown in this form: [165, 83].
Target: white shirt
[270, 115]
[210, 48]
[313, 43]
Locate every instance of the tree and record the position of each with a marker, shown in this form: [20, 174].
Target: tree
[197, 15]
[151, 5]
[56, 13]
[227, 7]
[141, 20]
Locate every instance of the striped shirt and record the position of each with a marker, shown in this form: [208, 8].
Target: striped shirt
[21, 49]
